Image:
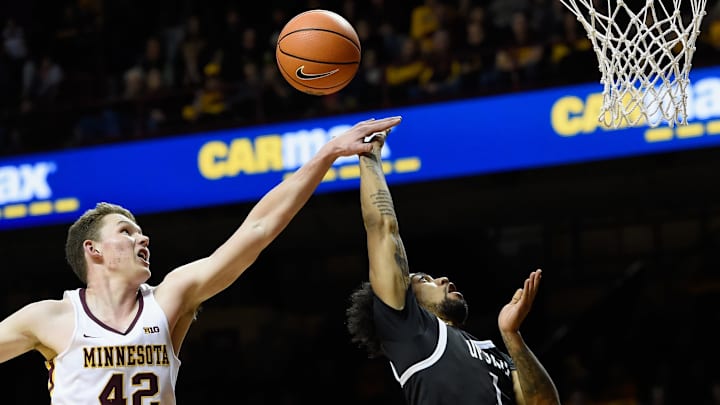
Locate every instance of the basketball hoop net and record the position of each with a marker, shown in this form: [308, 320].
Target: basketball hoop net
[645, 54]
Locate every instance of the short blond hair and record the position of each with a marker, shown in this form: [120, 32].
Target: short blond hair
[87, 227]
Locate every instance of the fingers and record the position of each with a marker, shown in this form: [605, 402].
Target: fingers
[364, 137]
[372, 125]
[518, 294]
[535, 277]
[367, 148]
[394, 118]
[379, 130]
[381, 124]
[531, 285]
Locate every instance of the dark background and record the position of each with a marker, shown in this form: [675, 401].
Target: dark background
[627, 313]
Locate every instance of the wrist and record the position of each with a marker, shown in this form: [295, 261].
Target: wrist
[330, 151]
[511, 335]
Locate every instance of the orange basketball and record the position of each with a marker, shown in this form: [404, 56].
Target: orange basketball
[318, 52]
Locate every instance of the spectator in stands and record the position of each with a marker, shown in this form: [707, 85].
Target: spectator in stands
[209, 100]
[477, 54]
[41, 82]
[276, 94]
[153, 57]
[154, 115]
[521, 53]
[368, 86]
[370, 38]
[246, 96]
[13, 36]
[251, 49]
[195, 53]
[571, 53]
[386, 21]
[134, 83]
[441, 75]
[402, 74]
[424, 21]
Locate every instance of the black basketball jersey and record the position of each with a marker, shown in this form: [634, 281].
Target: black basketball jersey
[439, 364]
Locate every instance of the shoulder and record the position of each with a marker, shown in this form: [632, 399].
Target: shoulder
[412, 320]
[49, 308]
[51, 323]
[42, 319]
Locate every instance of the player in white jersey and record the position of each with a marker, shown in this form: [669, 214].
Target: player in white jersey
[117, 340]
[110, 363]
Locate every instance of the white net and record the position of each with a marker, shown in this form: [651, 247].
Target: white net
[644, 49]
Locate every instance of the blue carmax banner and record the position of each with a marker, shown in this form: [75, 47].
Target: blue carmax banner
[434, 141]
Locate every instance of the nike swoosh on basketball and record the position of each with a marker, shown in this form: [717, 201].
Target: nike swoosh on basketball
[300, 73]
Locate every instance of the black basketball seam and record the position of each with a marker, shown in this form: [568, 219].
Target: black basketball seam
[304, 84]
[324, 30]
[324, 62]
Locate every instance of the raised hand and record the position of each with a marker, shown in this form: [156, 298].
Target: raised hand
[352, 142]
[513, 313]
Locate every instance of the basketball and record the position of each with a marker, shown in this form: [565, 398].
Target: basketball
[318, 52]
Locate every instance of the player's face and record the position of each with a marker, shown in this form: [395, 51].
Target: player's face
[440, 297]
[124, 247]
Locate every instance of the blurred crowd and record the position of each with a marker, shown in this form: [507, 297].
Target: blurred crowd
[77, 72]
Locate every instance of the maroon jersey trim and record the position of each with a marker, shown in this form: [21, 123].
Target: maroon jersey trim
[141, 304]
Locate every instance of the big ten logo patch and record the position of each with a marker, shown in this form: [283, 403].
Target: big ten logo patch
[151, 329]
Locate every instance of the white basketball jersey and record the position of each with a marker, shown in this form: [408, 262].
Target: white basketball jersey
[108, 367]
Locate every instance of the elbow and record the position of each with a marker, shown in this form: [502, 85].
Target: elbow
[264, 230]
[381, 224]
[261, 230]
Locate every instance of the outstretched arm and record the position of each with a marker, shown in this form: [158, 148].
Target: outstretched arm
[389, 274]
[533, 384]
[44, 326]
[17, 335]
[185, 288]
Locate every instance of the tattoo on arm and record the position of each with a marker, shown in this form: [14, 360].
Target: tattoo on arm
[381, 199]
[383, 202]
[401, 258]
[534, 380]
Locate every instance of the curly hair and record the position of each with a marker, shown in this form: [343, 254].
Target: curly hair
[360, 322]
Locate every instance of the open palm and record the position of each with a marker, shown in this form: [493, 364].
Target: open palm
[513, 313]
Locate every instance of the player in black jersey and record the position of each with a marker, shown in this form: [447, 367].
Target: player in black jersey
[415, 320]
